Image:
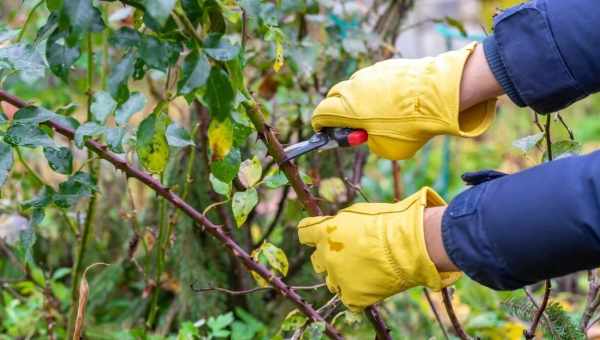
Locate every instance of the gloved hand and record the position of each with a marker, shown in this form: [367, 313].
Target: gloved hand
[402, 103]
[373, 250]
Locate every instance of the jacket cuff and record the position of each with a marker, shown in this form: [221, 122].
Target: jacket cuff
[494, 60]
[469, 245]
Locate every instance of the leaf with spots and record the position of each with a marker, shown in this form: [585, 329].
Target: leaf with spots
[270, 255]
[27, 135]
[152, 147]
[293, 321]
[220, 138]
[60, 159]
[250, 172]
[242, 204]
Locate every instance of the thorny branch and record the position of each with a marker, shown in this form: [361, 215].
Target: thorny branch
[291, 172]
[252, 290]
[102, 151]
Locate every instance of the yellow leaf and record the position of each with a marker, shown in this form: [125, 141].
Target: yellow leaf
[250, 172]
[220, 138]
[273, 257]
[332, 189]
[278, 55]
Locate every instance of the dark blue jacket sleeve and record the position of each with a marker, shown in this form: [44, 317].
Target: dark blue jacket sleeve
[514, 230]
[546, 53]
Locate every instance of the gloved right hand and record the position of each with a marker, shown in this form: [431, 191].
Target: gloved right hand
[402, 103]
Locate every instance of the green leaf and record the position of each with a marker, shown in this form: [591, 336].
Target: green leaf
[316, 330]
[23, 59]
[242, 204]
[242, 128]
[220, 48]
[6, 161]
[33, 115]
[86, 131]
[563, 148]
[293, 321]
[82, 16]
[194, 73]
[78, 186]
[160, 10]
[117, 81]
[220, 322]
[60, 159]
[227, 168]
[219, 186]
[135, 103]
[114, 139]
[125, 37]
[220, 138]
[27, 135]
[159, 54]
[275, 179]
[192, 10]
[178, 137]
[152, 147]
[41, 201]
[60, 56]
[102, 106]
[527, 143]
[24, 249]
[187, 331]
[456, 24]
[219, 94]
[250, 172]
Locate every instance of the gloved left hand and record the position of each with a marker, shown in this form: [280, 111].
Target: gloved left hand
[373, 250]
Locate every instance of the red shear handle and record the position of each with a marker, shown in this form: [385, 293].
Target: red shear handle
[347, 137]
[357, 137]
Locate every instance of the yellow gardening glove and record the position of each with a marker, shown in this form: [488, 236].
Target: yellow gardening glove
[374, 250]
[402, 103]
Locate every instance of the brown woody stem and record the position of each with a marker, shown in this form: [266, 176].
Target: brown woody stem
[530, 334]
[102, 151]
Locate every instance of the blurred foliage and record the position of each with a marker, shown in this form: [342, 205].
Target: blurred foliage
[166, 89]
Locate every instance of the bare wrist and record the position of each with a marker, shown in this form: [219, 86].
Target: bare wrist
[478, 83]
[432, 226]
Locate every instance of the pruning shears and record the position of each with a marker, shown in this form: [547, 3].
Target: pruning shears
[327, 138]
